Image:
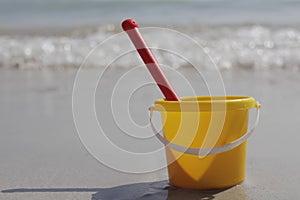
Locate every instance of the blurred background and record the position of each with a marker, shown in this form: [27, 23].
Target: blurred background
[238, 34]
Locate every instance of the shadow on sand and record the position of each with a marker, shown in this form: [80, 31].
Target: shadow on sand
[160, 190]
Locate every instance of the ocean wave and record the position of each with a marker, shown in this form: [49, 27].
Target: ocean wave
[249, 47]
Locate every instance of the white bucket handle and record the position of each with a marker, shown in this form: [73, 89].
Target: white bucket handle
[206, 151]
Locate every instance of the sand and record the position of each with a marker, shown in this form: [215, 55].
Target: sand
[41, 156]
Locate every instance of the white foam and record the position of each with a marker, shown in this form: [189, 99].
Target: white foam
[231, 47]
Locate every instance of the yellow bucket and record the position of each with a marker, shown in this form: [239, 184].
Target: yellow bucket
[205, 139]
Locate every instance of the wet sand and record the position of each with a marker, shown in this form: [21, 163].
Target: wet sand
[41, 156]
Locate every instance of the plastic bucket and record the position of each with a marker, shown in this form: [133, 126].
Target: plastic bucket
[205, 139]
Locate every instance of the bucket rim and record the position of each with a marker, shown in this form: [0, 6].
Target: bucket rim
[206, 103]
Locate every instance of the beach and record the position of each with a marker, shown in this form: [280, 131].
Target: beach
[75, 95]
[42, 156]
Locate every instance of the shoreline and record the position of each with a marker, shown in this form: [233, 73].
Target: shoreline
[246, 46]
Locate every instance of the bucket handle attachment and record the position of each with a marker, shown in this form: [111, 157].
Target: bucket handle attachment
[205, 151]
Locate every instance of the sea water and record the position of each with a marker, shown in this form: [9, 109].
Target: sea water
[259, 35]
